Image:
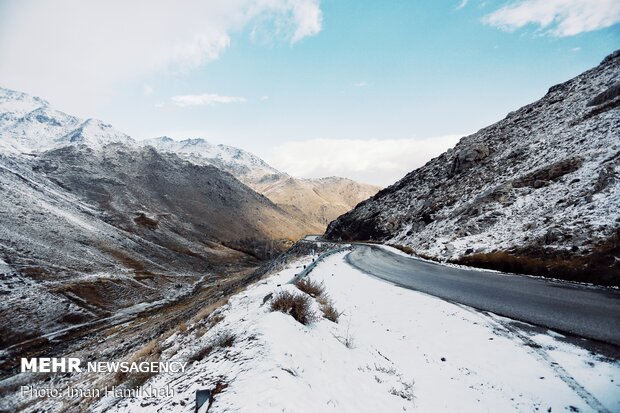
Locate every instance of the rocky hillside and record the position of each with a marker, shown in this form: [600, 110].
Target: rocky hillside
[93, 225]
[537, 192]
[87, 232]
[314, 202]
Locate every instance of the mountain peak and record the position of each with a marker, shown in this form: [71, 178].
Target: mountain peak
[29, 124]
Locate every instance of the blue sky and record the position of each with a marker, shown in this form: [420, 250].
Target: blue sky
[364, 89]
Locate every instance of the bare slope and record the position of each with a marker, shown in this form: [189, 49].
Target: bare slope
[84, 233]
[537, 192]
[315, 202]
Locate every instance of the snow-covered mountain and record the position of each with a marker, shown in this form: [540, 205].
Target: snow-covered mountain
[89, 232]
[95, 222]
[29, 124]
[537, 192]
[315, 202]
[243, 165]
[92, 222]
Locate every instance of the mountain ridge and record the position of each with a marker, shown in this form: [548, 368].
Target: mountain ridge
[30, 124]
[311, 200]
[536, 192]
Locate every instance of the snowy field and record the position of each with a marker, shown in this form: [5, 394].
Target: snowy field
[392, 350]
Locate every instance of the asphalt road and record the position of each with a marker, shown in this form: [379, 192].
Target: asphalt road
[589, 312]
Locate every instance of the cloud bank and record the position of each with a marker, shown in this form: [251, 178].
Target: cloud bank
[557, 17]
[77, 53]
[208, 99]
[380, 162]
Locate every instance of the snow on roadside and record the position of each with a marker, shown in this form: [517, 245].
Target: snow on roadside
[410, 352]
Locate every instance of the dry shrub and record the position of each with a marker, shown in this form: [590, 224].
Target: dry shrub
[323, 299]
[598, 267]
[182, 327]
[347, 339]
[330, 312]
[216, 318]
[210, 309]
[312, 288]
[296, 305]
[201, 353]
[403, 248]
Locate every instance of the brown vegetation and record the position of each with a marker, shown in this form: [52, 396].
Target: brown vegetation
[403, 248]
[312, 288]
[297, 305]
[598, 267]
[330, 312]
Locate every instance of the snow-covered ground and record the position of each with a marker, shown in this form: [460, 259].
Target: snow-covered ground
[406, 351]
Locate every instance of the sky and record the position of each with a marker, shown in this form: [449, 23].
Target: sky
[364, 89]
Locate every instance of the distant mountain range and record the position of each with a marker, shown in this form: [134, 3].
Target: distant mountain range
[315, 202]
[93, 221]
[537, 192]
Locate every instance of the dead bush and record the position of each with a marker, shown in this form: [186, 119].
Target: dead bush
[599, 266]
[201, 353]
[330, 312]
[296, 305]
[312, 288]
[220, 387]
[403, 248]
[323, 299]
[182, 327]
[347, 339]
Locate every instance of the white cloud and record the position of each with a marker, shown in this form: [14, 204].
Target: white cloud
[361, 84]
[78, 54]
[208, 99]
[462, 4]
[557, 17]
[308, 18]
[380, 162]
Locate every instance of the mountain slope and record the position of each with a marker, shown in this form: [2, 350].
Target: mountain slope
[315, 202]
[537, 192]
[30, 124]
[93, 225]
[241, 164]
[96, 231]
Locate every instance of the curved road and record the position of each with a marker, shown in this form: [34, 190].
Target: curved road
[584, 311]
